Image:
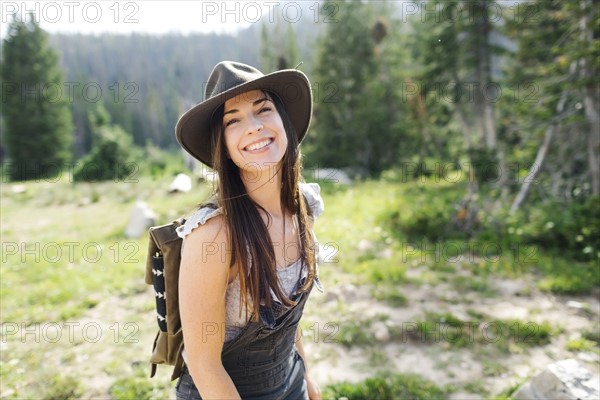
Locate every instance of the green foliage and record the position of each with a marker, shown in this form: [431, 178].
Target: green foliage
[592, 336]
[278, 47]
[354, 333]
[158, 162]
[138, 387]
[62, 388]
[572, 227]
[430, 220]
[36, 114]
[385, 272]
[486, 166]
[357, 113]
[391, 294]
[476, 386]
[386, 386]
[581, 344]
[444, 327]
[578, 281]
[112, 158]
[525, 333]
[507, 335]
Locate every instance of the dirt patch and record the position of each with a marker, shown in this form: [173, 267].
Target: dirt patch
[493, 370]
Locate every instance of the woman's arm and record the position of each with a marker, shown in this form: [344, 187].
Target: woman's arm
[203, 278]
[314, 391]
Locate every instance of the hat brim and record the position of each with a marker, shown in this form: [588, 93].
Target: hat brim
[291, 86]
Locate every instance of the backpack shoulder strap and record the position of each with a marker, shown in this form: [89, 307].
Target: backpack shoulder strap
[160, 236]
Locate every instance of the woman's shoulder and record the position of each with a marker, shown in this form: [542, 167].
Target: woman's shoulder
[210, 218]
[312, 194]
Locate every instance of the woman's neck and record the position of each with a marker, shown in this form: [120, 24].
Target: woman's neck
[264, 188]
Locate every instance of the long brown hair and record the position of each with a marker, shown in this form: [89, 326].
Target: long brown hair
[250, 244]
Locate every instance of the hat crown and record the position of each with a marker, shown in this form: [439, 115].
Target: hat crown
[228, 75]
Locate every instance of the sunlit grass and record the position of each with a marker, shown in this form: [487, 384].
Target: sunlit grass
[387, 386]
[83, 258]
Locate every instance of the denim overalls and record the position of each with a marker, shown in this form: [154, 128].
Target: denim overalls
[262, 360]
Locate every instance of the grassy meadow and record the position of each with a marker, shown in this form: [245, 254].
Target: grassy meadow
[78, 319]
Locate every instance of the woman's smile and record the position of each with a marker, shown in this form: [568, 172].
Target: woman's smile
[259, 146]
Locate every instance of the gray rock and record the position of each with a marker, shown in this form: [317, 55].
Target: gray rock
[563, 380]
[140, 219]
[181, 183]
[381, 332]
[18, 189]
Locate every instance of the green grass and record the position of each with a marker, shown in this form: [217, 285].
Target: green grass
[472, 284]
[63, 254]
[476, 386]
[505, 335]
[408, 224]
[386, 386]
[581, 344]
[68, 254]
[390, 294]
[355, 333]
[137, 387]
[589, 341]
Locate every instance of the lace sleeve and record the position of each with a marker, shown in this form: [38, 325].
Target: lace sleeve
[198, 218]
[312, 193]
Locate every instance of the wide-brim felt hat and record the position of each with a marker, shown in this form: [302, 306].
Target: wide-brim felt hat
[230, 79]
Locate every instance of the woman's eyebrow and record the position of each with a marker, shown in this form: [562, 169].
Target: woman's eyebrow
[254, 103]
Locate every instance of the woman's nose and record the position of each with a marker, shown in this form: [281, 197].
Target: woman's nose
[254, 125]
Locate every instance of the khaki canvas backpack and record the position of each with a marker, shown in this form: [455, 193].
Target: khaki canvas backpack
[162, 272]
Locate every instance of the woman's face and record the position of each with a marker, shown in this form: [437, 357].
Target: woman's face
[254, 134]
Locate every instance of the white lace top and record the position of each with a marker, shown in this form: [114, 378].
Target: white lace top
[289, 276]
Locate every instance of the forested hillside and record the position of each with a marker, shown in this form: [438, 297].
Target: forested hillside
[146, 81]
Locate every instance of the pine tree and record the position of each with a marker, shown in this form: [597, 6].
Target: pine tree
[457, 54]
[354, 116]
[558, 59]
[278, 50]
[39, 130]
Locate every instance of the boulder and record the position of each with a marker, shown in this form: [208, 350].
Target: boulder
[140, 219]
[563, 380]
[181, 183]
[381, 332]
[18, 189]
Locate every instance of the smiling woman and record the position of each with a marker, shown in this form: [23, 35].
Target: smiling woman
[254, 132]
[252, 293]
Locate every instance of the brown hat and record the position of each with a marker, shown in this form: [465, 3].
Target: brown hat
[229, 79]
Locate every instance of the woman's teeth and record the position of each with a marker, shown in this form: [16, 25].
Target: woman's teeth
[259, 145]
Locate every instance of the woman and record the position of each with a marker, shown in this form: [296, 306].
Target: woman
[248, 257]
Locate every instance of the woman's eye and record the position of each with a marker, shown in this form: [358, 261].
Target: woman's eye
[265, 109]
[231, 122]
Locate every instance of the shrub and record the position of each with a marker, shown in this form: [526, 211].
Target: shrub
[112, 157]
[573, 227]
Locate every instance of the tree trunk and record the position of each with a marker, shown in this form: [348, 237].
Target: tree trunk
[541, 155]
[591, 113]
[488, 122]
[589, 99]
